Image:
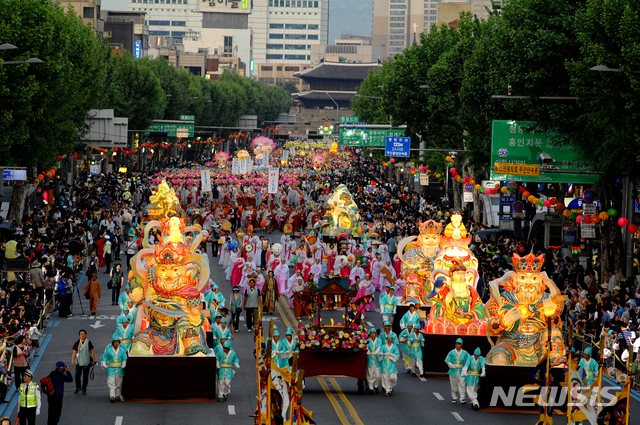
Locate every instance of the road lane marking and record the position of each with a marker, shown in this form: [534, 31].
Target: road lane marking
[370, 324]
[351, 409]
[334, 402]
[438, 396]
[118, 420]
[55, 324]
[232, 409]
[423, 379]
[457, 416]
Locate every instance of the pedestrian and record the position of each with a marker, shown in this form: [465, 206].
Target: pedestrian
[3, 377]
[130, 249]
[472, 371]
[92, 263]
[34, 338]
[227, 360]
[83, 358]
[117, 276]
[107, 252]
[250, 303]
[58, 377]
[63, 307]
[20, 360]
[235, 305]
[93, 292]
[114, 360]
[373, 361]
[389, 354]
[456, 360]
[29, 400]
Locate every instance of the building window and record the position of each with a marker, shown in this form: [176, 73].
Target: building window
[433, 18]
[272, 56]
[395, 49]
[312, 36]
[394, 31]
[396, 37]
[177, 33]
[160, 23]
[396, 43]
[295, 37]
[398, 1]
[276, 36]
[266, 68]
[295, 57]
[313, 26]
[397, 12]
[315, 4]
[396, 25]
[295, 47]
[178, 24]
[433, 12]
[276, 26]
[159, 33]
[279, 68]
[270, 2]
[266, 80]
[398, 6]
[296, 26]
[397, 18]
[292, 68]
[87, 12]
[274, 46]
[228, 47]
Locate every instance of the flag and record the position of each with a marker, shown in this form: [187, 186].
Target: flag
[617, 412]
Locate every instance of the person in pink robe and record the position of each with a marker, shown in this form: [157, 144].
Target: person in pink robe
[332, 254]
[236, 274]
[397, 264]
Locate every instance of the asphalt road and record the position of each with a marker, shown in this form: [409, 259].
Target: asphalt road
[332, 401]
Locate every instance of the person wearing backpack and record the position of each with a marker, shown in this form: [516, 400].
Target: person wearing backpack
[55, 391]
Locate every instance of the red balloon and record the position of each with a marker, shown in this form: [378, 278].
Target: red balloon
[623, 222]
[632, 228]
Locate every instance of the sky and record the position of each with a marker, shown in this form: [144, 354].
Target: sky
[345, 16]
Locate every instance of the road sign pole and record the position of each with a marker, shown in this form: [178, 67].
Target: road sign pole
[1, 182]
[517, 221]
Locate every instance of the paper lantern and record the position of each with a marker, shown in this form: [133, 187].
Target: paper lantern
[586, 219]
[521, 189]
[552, 201]
[438, 175]
[540, 203]
[622, 221]
[413, 168]
[547, 203]
[472, 182]
[41, 176]
[477, 187]
[559, 206]
[487, 191]
[632, 228]
[603, 215]
[573, 216]
[452, 170]
[526, 194]
[530, 198]
[494, 191]
[503, 189]
[448, 159]
[392, 160]
[595, 219]
[612, 212]
[566, 213]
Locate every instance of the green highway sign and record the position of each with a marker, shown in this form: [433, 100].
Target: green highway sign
[187, 117]
[349, 120]
[367, 137]
[173, 130]
[513, 144]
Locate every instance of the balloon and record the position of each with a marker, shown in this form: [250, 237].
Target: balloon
[603, 215]
[526, 194]
[612, 212]
[559, 206]
[586, 219]
[632, 228]
[622, 221]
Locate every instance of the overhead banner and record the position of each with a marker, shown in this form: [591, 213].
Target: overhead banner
[235, 166]
[514, 144]
[205, 178]
[274, 174]
[424, 179]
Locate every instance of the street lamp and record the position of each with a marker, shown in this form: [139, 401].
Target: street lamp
[368, 97]
[29, 61]
[605, 68]
[7, 46]
[424, 87]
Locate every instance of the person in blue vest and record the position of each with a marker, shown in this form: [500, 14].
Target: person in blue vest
[456, 360]
[472, 371]
[404, 349]
[114, 360]
[125, 333]
[388, 304]
[373, 362]
[227, 361]
[389, 354]
[415, 342]
[590, 367]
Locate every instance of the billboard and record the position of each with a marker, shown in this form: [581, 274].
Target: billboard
[225, 6]
[449, 13]
[514, 143]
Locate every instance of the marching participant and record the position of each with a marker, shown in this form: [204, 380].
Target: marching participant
[373, 361]
[404, 350]
[415, 344]
[389, 354]
[472, 371]
[114, 360]
[388, 304]
[287, 348]
[227, 360]
[125, 334]
[456, 360]
[410, 316]
[386, 327]
[590, 367]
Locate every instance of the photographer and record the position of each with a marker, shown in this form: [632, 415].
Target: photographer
[58, 377]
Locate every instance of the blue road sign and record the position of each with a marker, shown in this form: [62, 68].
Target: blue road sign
[14, 174]
[137, 50]
[398, 147]
[507, 200]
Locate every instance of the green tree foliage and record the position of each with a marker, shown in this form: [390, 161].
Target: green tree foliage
[43, 106]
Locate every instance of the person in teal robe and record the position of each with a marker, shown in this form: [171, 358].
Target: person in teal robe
[404, 349]
[287, 348]
[386, 331]
[590, 367]
[389, 354]
[125, 334]
[388, 304]
[373, 362]
[222, 332]
[415, 342]
[472, 371]
[227, 361]
[410, 316]
[456, 360]
[114, 360]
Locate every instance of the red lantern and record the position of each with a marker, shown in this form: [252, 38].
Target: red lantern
[632, 228]
[559, 206]
[623, 222]
[522, 189]
[526, 194]
[586, 219]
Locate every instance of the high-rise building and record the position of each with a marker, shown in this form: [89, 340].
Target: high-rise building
[89, 10]
[210, 27]
[398, 23]
[284, 30]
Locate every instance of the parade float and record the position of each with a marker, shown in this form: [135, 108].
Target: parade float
[341, 217]
[166, 282]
